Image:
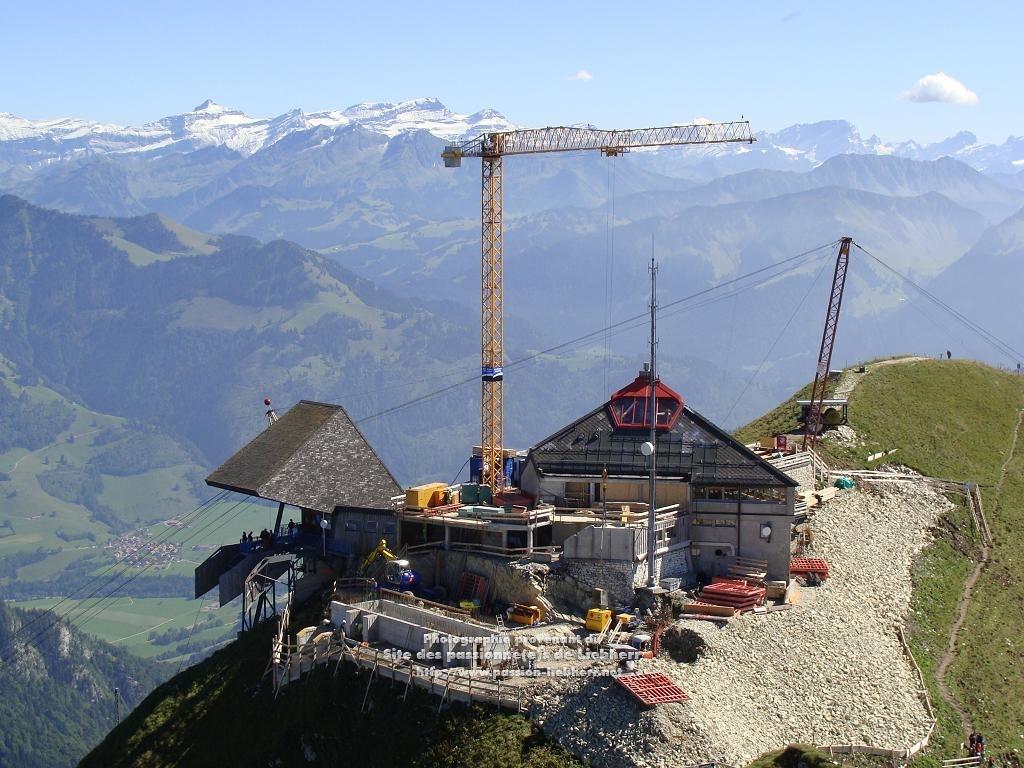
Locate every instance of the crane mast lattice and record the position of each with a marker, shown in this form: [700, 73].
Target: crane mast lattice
[812, 424]
[491, 148]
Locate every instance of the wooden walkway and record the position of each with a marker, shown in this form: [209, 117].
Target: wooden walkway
[288, 663]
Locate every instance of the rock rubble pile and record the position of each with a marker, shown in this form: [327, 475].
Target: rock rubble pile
[829, 671]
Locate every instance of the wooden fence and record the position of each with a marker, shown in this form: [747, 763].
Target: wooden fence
[289, 662]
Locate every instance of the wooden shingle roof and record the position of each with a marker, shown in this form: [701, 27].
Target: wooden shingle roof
[314, 457]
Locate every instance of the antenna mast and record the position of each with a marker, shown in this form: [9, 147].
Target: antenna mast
[652, 400]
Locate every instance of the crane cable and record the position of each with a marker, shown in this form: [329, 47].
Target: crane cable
[120, 563]
[778, 338]
[665, 310]
[987, 336]
[87, 613]
[609, 266]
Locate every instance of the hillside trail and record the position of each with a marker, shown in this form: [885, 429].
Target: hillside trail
[851, 377]
[949, 655]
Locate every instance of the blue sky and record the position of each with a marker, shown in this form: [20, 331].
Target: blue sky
[650, 63]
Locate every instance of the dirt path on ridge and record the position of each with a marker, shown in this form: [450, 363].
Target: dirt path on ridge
[851, 378]
[949, 655]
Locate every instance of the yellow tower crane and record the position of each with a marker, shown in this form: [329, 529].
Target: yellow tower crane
[491, 148]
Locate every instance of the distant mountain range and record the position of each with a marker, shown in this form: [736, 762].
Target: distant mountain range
[393, 290]
[213, 125]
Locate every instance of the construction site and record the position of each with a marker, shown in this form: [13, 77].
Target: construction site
[648, 589]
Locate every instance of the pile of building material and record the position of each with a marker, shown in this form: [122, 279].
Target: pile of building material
[739, 594]
[652, 688]
[805, 566]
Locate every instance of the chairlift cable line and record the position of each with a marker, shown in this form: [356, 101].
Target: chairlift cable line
[134, 562]
[113, 596]
[86, 613]
[153, 544]
[82, 612]
[663, 310]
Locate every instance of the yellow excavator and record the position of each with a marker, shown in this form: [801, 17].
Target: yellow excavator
[381, 550]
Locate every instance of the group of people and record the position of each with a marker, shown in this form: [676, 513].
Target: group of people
[266, 538]
[976, 745]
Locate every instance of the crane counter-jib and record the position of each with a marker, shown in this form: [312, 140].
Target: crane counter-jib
[576, 138]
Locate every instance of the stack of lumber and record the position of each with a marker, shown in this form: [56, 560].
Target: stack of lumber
[734, 593]
[700, 608]
[749, 569]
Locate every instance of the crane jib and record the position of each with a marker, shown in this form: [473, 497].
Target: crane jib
[575, 138]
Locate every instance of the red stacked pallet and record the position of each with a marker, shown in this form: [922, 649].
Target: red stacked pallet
[802, 566]
[652, 688]
[735, 593]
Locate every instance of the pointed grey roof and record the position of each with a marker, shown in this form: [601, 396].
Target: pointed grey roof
[693, 450]
[315, 457]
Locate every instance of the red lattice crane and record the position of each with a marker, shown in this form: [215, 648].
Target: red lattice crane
[812, 424]
[491, 148]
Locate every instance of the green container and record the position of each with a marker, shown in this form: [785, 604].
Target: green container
[485, 495]
[470, 493]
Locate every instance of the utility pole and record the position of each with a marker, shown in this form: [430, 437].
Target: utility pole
[117, 707]
[652, 400]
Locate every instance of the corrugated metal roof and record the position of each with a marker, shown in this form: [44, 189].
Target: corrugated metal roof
[314, 456]
[694, 450]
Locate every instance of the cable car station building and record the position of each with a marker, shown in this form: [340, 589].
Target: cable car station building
[716, 500]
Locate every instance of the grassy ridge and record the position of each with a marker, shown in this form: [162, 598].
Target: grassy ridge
[212, 714]
[952, 419]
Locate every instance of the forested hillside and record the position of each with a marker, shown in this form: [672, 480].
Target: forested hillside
[58, 690]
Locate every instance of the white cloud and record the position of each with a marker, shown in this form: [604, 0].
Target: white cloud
[581, 75]
[940, 87]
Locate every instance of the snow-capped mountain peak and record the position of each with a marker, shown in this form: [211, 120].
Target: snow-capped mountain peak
[213, 124]
[209, 106]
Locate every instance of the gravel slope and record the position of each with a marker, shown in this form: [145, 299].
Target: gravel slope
[830, 671]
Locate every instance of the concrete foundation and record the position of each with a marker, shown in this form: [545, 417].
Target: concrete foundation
[428, 636]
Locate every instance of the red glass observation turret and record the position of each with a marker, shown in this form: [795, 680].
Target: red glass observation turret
[630, 409]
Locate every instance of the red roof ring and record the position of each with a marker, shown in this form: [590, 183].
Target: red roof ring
[630, 410]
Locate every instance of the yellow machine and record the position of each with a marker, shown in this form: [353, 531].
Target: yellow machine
[381, 550]
[527, 615]
[598, 619]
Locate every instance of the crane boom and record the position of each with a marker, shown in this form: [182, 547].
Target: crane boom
[491, 148]
[570, 139]
[812, 424]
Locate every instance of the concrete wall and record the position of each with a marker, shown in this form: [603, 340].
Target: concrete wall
[605, 542]
[504, 583]
[412, 629]
[718, 536]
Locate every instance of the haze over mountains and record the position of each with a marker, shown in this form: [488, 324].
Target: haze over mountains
[367, 188]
